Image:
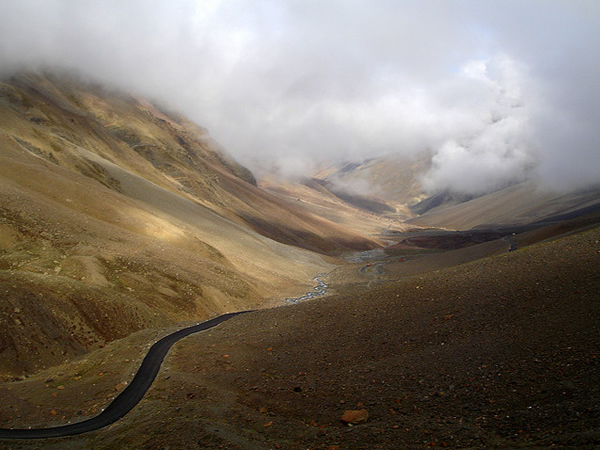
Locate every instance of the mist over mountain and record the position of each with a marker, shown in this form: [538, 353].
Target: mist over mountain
[497, 92]
[443, 314]
[117, 216]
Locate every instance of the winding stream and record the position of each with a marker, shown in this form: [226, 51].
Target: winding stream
[318, 290]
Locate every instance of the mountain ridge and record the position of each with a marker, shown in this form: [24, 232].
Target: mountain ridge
[110, 202]
[121, 223]
[395, 181]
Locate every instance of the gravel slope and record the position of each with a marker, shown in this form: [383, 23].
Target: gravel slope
[497, 353]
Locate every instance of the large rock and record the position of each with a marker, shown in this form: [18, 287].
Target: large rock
[355, 416]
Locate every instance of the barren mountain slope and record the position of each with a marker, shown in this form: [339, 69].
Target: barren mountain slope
[515, 205]
[313, 197]
[497, 353]
[163, 148]
[394, 178]
[115, 216]
[397, 181]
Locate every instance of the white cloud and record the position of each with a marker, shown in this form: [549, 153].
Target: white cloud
[498, 87]
[494, 143]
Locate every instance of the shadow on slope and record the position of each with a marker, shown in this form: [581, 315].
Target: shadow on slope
[501, 352]
[105, 193]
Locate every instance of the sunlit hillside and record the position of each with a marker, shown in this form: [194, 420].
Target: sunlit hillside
[116, 216]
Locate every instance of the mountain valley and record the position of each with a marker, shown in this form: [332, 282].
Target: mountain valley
[465, 322]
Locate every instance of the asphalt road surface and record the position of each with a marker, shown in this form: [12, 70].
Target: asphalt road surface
[129, 397]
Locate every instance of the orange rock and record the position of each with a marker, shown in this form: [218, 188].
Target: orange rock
[355, 416]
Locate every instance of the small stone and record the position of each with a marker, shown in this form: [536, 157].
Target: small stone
[355, 416]
[61, 387]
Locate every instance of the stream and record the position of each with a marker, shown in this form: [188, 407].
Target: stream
[318, 290]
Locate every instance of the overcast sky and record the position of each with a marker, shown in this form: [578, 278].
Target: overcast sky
[496, 90]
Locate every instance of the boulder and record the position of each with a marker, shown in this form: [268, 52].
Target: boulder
[355, 416]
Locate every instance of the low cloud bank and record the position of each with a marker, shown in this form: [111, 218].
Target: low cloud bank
[498, 92]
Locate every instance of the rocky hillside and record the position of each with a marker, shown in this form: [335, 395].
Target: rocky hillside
[116, 215]
[520, 204]
[393, 180]
[121, 220]
[500, 352]
[391, 186]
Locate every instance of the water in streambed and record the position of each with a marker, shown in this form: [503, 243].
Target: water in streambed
[319, 289]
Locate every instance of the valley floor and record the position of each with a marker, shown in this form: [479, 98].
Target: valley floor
[500, 352]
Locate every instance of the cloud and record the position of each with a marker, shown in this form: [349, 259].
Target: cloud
[494, 144]
[496, 91]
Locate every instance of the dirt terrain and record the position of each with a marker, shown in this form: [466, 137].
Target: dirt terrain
[501, 352]
[117, 216]
[121, 223]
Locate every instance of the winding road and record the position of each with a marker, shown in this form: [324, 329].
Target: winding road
[129, 397]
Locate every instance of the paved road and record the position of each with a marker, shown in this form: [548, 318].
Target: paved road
[130, 396]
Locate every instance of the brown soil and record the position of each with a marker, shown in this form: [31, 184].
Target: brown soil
[116, 217]
[118, 220]
[515, 205]
[497, 353]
